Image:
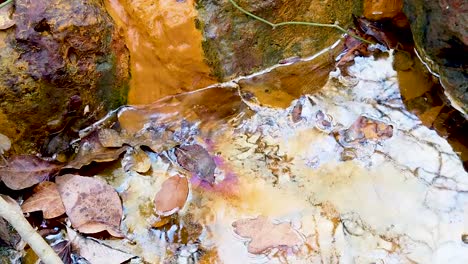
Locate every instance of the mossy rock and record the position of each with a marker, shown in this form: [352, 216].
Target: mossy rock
[236, 44]
[61, 57]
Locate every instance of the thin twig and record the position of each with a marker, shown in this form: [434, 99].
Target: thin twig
[13, 214]
[303, 23]
[5, 3]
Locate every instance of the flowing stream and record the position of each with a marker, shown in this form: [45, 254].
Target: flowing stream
[357, 161]
[357, 176]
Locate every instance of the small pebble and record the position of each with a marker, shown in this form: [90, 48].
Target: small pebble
[464, 238]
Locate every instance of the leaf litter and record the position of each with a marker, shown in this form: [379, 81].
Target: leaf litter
[46, 198]
[135, 159]
[91, 150]
[63, 250]
[265, 235]
[197, 160]
[25, 171]
[172, 196]
[94, 251]
[365, 129]
[91, 204]
[8, 236]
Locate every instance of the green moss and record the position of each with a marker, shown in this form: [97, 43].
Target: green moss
[110, 90]
[212, 59]
[244, 42]
[273, 51]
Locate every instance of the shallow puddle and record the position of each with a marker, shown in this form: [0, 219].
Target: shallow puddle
[346, 174]
[424, 96]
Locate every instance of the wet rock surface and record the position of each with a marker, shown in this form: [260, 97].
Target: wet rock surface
[236, 44]
[62, 62]
[441, 34]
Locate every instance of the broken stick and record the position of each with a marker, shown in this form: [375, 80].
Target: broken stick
[11, 212]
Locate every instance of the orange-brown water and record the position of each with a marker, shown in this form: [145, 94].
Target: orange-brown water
[166, 58]
[166, 55]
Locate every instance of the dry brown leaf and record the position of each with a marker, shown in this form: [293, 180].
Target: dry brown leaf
[25, 171]
[373, 129]
[370, 28]
[135, 159]
[197, 160]
[366, 129]
[172, 196]
[95, 252]
[46, 198]
[91, 150]
[296, 112]
[91, 204]
[63, 250]
[265, 235]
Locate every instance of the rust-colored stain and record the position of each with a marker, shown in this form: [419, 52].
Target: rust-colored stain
[166, 55]
[381, 9]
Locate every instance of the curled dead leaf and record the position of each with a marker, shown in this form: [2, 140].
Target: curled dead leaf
[197, 160]
[375, 30]
[95, 252]
[296, 112]
[91, 204]
[91, 150]
[24, 171]
[63, 250]
[135, 159]
[172, 196]
[46, 198]
[265, 235]
[366, 129]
